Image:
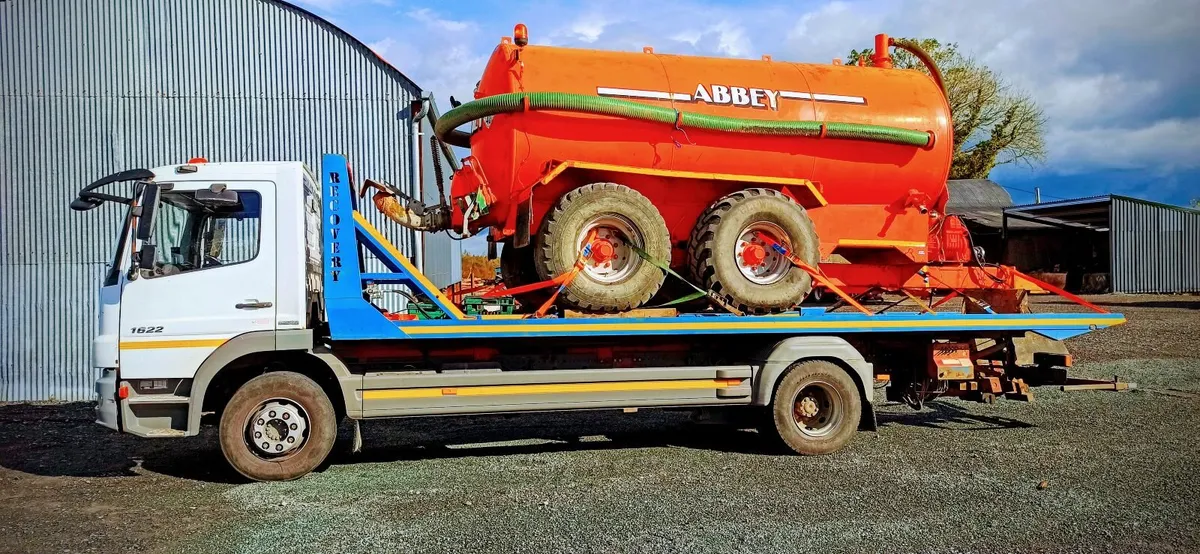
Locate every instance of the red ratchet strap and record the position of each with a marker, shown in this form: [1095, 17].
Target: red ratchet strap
[570, 275]
[953, 294]
[562, 280]
[814, 272]
[1062, 293]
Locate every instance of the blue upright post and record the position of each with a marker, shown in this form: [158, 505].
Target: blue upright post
[348, 312]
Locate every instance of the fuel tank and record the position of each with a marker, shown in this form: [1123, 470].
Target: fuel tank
[514, 150]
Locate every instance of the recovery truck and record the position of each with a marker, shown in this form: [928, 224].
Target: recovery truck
[239, 291]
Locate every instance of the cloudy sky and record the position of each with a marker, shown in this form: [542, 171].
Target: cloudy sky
[1118, 79]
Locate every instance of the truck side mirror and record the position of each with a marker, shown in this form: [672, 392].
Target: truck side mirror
[146, 208]
[146, 255]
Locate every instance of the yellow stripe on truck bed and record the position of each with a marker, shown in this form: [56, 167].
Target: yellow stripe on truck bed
[555, 388]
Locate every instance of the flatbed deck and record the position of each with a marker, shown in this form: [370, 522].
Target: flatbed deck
[348, 236]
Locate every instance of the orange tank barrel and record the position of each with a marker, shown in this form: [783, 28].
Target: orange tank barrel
[881, 198]
[514, 149]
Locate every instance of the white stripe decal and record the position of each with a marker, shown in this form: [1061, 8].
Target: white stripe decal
[682, 97]
[839, 98]
[649, 94]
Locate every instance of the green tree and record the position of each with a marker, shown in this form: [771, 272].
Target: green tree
[993, 123]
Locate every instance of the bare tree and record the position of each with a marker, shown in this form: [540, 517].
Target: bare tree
[993, 124]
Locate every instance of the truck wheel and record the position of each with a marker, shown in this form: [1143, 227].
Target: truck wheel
[517, 269]
[816, 408]
[615, 278]
[277, 427]
[727, 255]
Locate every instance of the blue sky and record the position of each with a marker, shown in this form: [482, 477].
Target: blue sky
[1116, 79]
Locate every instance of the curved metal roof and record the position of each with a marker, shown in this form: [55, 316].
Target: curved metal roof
[358, 44]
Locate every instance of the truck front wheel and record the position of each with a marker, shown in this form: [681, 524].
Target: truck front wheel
[816, 408]
[277, 427]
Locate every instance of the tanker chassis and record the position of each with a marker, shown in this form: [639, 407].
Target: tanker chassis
[243, 294]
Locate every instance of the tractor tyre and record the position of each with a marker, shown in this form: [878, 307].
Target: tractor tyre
[615, 278]
[517, 269]
[727, 256]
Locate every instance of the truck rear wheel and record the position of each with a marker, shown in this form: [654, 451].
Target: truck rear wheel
[727, 255]
[277, 427]
[816, 408]
[615, 278]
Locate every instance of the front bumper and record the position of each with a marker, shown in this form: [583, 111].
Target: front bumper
[142, 415]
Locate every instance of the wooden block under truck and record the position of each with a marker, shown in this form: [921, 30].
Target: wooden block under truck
[238, 292]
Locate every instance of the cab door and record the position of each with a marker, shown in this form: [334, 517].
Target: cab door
[212, 278]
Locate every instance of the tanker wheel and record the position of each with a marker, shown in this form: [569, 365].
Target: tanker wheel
[517, 269]
[727, 255]
[614, 278]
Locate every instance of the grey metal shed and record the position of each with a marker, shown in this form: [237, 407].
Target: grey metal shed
[1153, 247]
[90, 87]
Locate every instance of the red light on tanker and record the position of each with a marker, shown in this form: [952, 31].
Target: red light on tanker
[198, 160]
[123, 392]
[521, 34]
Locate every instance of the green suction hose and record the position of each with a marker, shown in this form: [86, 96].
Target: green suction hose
[582, 103]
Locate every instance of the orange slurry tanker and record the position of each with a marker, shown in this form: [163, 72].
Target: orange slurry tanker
[729, 170]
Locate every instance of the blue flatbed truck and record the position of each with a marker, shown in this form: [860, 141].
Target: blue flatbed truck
[239, 294]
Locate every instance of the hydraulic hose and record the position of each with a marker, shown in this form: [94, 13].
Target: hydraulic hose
[582, 103]
[915, 49]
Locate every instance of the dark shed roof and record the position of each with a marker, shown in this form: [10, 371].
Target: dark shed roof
[981, 201]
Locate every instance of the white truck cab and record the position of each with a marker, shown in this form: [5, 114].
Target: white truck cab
[229, 249]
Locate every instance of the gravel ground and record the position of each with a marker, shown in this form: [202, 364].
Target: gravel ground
[1115, 471]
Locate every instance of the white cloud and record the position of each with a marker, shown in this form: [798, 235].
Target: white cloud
[731, 39]
[589, 28]
[1161, 146]
[1091, 98]
[430, 19]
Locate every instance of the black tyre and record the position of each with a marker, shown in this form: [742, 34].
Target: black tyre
[615, 279]
[277, 427]
[816, 408]
[517, 269]
[726, 255]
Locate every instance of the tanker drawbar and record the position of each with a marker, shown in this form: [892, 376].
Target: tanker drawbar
[616, 180]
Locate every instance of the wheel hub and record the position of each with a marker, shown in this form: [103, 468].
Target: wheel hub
[278, 427]
[756, 260]
[612, 259]
[817, 409]
[807, 407]
[603, 251]
[754, 255]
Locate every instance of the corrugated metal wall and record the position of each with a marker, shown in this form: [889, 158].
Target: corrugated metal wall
[90, 87]
[1155, 248]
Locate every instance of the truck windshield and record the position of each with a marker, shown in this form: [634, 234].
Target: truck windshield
[191, 236]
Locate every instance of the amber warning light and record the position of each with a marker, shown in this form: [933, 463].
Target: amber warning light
[521, 34]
